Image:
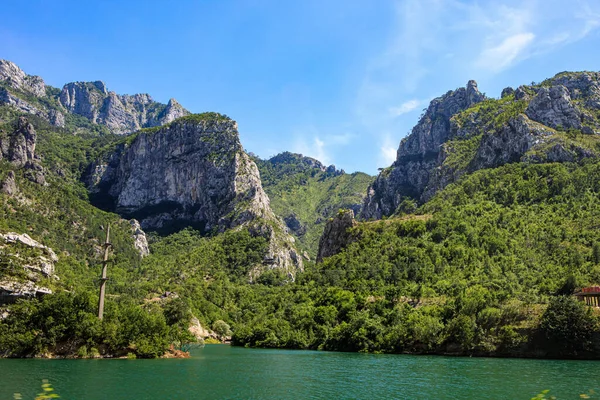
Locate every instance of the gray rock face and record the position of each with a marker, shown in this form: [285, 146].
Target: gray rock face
[55, 117]
[139, 238]
[442, 147]
[192, 172]
[9, 185]
[12, 75]
[507, 91]
[553, 107]
[18, 148]
[120, 113]
[36, 265]
[521, 94]
[336, 234]
[418, 153]
[294, 225]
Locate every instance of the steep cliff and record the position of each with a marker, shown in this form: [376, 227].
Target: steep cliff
[418, 153]
[192, 172]
[28, 94]
[463, 132]
[16, 78]
[18, 148]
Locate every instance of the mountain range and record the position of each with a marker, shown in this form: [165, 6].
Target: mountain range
[461, 246]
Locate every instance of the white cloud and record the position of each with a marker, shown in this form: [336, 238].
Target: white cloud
[342, 139]
[387, 151]
[404, 108]
[388, 155]
[503, 55]
[311, 147]
[311, 143]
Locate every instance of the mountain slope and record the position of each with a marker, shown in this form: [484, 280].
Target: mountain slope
[305, 193]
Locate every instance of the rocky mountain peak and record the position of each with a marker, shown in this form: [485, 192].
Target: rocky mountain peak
[473, 94]
[418, 152]
[433, 128]
[120, 113]
[457, 135]
[16, 78]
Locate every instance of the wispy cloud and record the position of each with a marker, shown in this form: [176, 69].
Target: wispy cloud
[404, 108]
[310, 142]
[506, 53]
[312, 147]
[387, 151]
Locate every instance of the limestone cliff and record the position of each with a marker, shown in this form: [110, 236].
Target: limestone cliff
[16, 78]
[463, 132]
[418, 153]
[18, 148]
[195, 172]
[27, 93]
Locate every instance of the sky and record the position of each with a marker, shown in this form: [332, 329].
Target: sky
[342, 81]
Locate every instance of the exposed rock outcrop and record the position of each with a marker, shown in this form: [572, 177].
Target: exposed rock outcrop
[16, 78]
[139, 238]
[294, 225]
[199, 331]
[195, 172]
[336, 234]
[25, 263]
[18, 148]
[418, 153]
[9, 185]
[120, 113]
[553, 107]
[92, 100]
[507, 91]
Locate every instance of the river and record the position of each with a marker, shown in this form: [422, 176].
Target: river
[225, 372]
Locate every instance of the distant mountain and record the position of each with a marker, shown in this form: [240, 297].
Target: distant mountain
[120, 114]
[306, 193]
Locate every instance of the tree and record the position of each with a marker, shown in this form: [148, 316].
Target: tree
[569, 326]
[222, 329]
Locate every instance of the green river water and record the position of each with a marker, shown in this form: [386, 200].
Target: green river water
[224, 372]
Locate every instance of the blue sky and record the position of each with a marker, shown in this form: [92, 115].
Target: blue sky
[341, 81]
